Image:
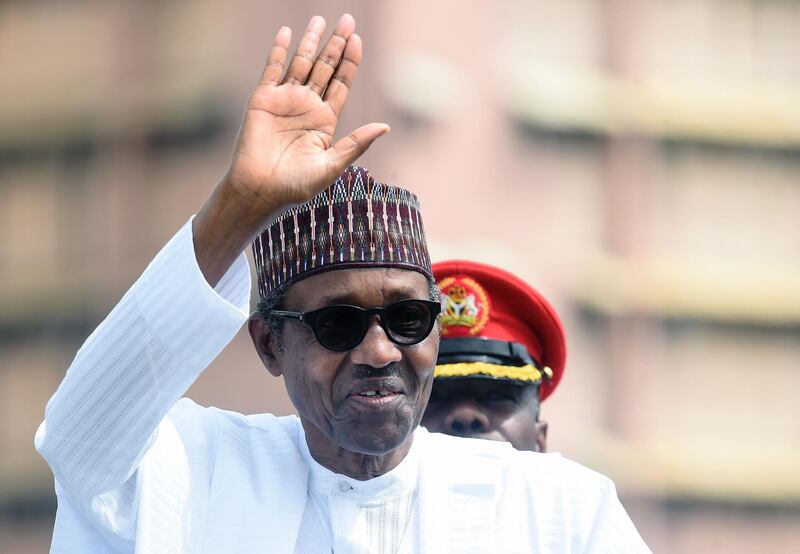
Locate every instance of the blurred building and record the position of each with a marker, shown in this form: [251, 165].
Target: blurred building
[636, 160]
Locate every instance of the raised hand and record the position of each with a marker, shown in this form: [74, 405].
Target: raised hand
[285, 152]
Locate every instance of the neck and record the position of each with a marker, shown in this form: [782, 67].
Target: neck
[355, 465]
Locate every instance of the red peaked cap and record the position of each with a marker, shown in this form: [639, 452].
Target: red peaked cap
[504, 308]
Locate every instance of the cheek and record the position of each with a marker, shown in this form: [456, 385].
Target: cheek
[519, 427]
[433, 418]
[426, 386]
[309, 375]
[422, 358]
[424, 373]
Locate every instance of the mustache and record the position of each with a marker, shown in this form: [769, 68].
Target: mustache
[363, 371]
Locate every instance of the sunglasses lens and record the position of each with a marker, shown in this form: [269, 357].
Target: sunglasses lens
[408, 321]
[342, 328]
[339, 327]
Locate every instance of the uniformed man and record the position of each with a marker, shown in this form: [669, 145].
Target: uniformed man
[502, 353]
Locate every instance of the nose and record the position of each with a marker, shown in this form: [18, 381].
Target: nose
[465, 418]
[376, 349]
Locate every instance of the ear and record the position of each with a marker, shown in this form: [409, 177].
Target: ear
[265, 344]
[541, 436]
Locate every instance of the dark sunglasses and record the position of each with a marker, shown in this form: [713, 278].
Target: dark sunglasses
[342, 327]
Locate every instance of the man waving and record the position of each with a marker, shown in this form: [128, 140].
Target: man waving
[348, 317]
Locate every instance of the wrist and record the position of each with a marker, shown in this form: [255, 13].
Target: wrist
[252, 202]
[225, 226]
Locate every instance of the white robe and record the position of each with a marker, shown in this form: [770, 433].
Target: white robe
[138, 469]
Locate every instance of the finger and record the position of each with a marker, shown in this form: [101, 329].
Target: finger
[349, 149]
[277, 57]
[331, 54]
[342, 81]
[303, 59]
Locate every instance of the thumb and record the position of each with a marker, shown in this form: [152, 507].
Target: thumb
[349, 149]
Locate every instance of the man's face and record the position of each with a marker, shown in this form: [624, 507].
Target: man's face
[327, 387]
[487, 409]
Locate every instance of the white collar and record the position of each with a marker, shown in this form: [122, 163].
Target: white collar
[401, 479]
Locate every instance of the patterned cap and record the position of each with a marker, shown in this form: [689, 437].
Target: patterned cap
[356, 222]
[496, 326]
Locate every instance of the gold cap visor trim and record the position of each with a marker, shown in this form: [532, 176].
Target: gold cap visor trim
[527, 373]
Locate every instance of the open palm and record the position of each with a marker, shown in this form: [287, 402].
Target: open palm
[285, 151]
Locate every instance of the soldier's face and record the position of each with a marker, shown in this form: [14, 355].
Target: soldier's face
[487, 409]
[369, 399]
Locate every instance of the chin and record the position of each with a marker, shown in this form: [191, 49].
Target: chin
[379, 440]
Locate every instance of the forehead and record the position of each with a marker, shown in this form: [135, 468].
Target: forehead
[365, 287]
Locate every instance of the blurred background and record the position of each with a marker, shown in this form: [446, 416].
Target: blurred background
[636, 160]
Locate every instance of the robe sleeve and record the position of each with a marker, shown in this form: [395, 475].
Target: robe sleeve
[134, 367]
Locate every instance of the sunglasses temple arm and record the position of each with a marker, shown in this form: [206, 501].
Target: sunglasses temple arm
[288, 315]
